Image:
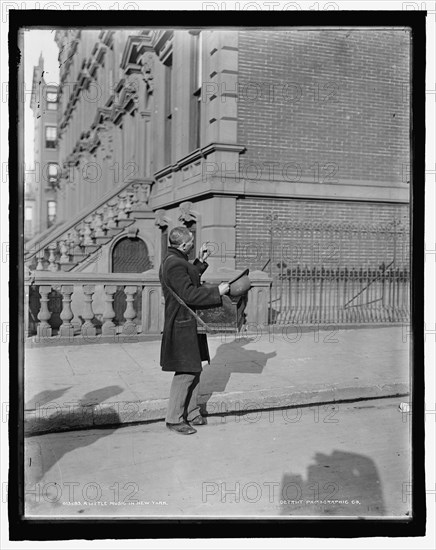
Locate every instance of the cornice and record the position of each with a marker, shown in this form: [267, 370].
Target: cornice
[198, 154]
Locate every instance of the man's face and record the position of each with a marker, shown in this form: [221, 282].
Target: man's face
[189, 245]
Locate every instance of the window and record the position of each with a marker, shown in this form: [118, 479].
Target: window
[130, 255]
[52, 174]
[52, 101]
[195, 96]
[50, 137]
[168, 66]
[51, 213]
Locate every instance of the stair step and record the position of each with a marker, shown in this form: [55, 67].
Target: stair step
[142, 214]
[102, 240]
[113, 231]
[67, 266]
[90, 248]
[79, 257]
[125, 222]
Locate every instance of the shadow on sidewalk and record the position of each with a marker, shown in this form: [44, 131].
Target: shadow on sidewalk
[44, 397]
[230, 358]
[349, 478]
[43, 453]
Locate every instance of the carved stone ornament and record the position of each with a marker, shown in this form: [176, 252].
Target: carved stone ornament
[147, 60]
[106, 139]
[131, 232]
[130, 91]
[84, 142]
[161, 219]
[186, 212]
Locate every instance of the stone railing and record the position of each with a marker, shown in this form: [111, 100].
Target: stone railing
[73, 304]
[70, 243]
[65, 305]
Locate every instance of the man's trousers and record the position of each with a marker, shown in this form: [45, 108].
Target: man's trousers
[182, 404]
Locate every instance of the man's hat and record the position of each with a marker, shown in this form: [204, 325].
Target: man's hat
[241, 284]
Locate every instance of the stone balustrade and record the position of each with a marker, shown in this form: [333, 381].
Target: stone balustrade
[72, 242]
[87, 304]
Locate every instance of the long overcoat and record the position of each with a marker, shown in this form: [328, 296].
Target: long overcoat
[182, 349]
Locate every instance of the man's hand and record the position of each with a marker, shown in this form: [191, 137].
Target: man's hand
[223, 288]
[204, 253]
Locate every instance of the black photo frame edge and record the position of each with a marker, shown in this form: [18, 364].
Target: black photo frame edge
[21, 528]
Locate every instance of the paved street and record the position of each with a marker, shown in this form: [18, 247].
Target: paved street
[353, 458]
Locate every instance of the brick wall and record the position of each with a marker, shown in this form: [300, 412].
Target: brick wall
[332, 101]
[329, 249]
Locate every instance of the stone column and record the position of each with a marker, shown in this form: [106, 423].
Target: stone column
[219, 100]
[258, 298]
[44, 329]
[52, 264]
[66, 329]
[152, 307]
[108, 328]
[130, 313]
[218, 215]
[88, 329]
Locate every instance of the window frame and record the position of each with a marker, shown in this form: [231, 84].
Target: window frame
[46, 140]
[52, 105]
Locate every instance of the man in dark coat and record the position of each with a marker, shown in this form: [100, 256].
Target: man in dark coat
[183, 349]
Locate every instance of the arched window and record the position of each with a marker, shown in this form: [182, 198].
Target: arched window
[130, 255]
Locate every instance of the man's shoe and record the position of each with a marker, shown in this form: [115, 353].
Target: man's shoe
[182, 428]
[198, 421]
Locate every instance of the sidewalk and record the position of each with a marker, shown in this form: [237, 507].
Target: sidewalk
[76, 387]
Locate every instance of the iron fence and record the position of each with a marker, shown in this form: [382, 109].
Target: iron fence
[338, 272]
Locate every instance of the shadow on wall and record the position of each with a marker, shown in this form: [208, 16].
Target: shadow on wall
[344, 484]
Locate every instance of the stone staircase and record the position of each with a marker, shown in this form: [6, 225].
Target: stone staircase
[67, 246]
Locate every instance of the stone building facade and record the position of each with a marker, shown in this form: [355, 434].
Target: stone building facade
[224, 131]
[41, 185]
[215, 127]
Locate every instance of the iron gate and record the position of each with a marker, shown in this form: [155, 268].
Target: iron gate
[338, 272]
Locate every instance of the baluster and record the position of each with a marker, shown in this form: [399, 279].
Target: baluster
[104, 211]
[66, 329]
[41, 257]
[110, 215]
[74, 240]
[52, 264]
[143, 193]
[87, 233]
[63, 247]
[43, 329]
[108, 328]
[122, 215]
[128, 204]
[98, 225]
[88, 329]
[133, 196]
[130, 313]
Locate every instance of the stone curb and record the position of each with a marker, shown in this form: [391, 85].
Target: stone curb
[54, 418]
[32, 342]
